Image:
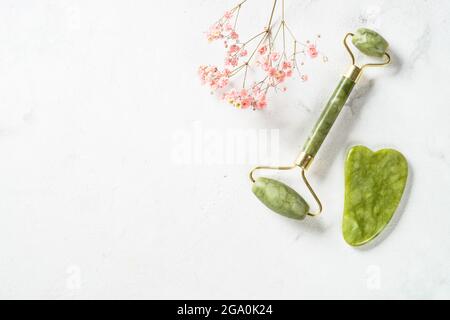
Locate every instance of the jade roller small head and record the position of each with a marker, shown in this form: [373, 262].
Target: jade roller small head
[370, 43]
[281, 198]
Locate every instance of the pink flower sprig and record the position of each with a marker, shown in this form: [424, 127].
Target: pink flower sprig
[213, 77]
[245, 99]
[223, 29]
[274, 67]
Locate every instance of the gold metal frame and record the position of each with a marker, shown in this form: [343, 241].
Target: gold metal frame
[305, 180]
[355, 72]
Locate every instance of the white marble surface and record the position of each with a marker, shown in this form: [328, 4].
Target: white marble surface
[95, 94]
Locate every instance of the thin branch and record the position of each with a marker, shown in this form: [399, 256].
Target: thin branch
[257, 47]
[269, 25]
[245, 76]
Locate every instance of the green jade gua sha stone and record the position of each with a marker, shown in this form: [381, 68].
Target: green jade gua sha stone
[276, 195]
[374, 185]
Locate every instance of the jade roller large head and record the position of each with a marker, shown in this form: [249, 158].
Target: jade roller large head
[281, 198]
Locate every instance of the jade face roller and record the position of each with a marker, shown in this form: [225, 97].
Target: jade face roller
[281, 198]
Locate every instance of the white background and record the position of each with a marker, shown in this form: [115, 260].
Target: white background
[94, 205]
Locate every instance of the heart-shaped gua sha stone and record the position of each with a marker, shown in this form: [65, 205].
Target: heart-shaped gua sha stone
[374, 186]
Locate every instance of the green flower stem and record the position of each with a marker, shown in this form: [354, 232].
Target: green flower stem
[329, 116]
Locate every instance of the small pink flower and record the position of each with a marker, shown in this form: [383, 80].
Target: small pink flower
[222, 83]
[281, 76]
[228, 15]
[305, 77]
[230, 96]
[213, 77]
[234, 35]
[312, 51]
[215, 32]
[234, 48]
[246, 103]
[256, 90]
[243, 53]
[262, 50]
[273, 72]
[231, 61]
[287, 65]
[244, 93]
[275, 56]
[261, 103]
